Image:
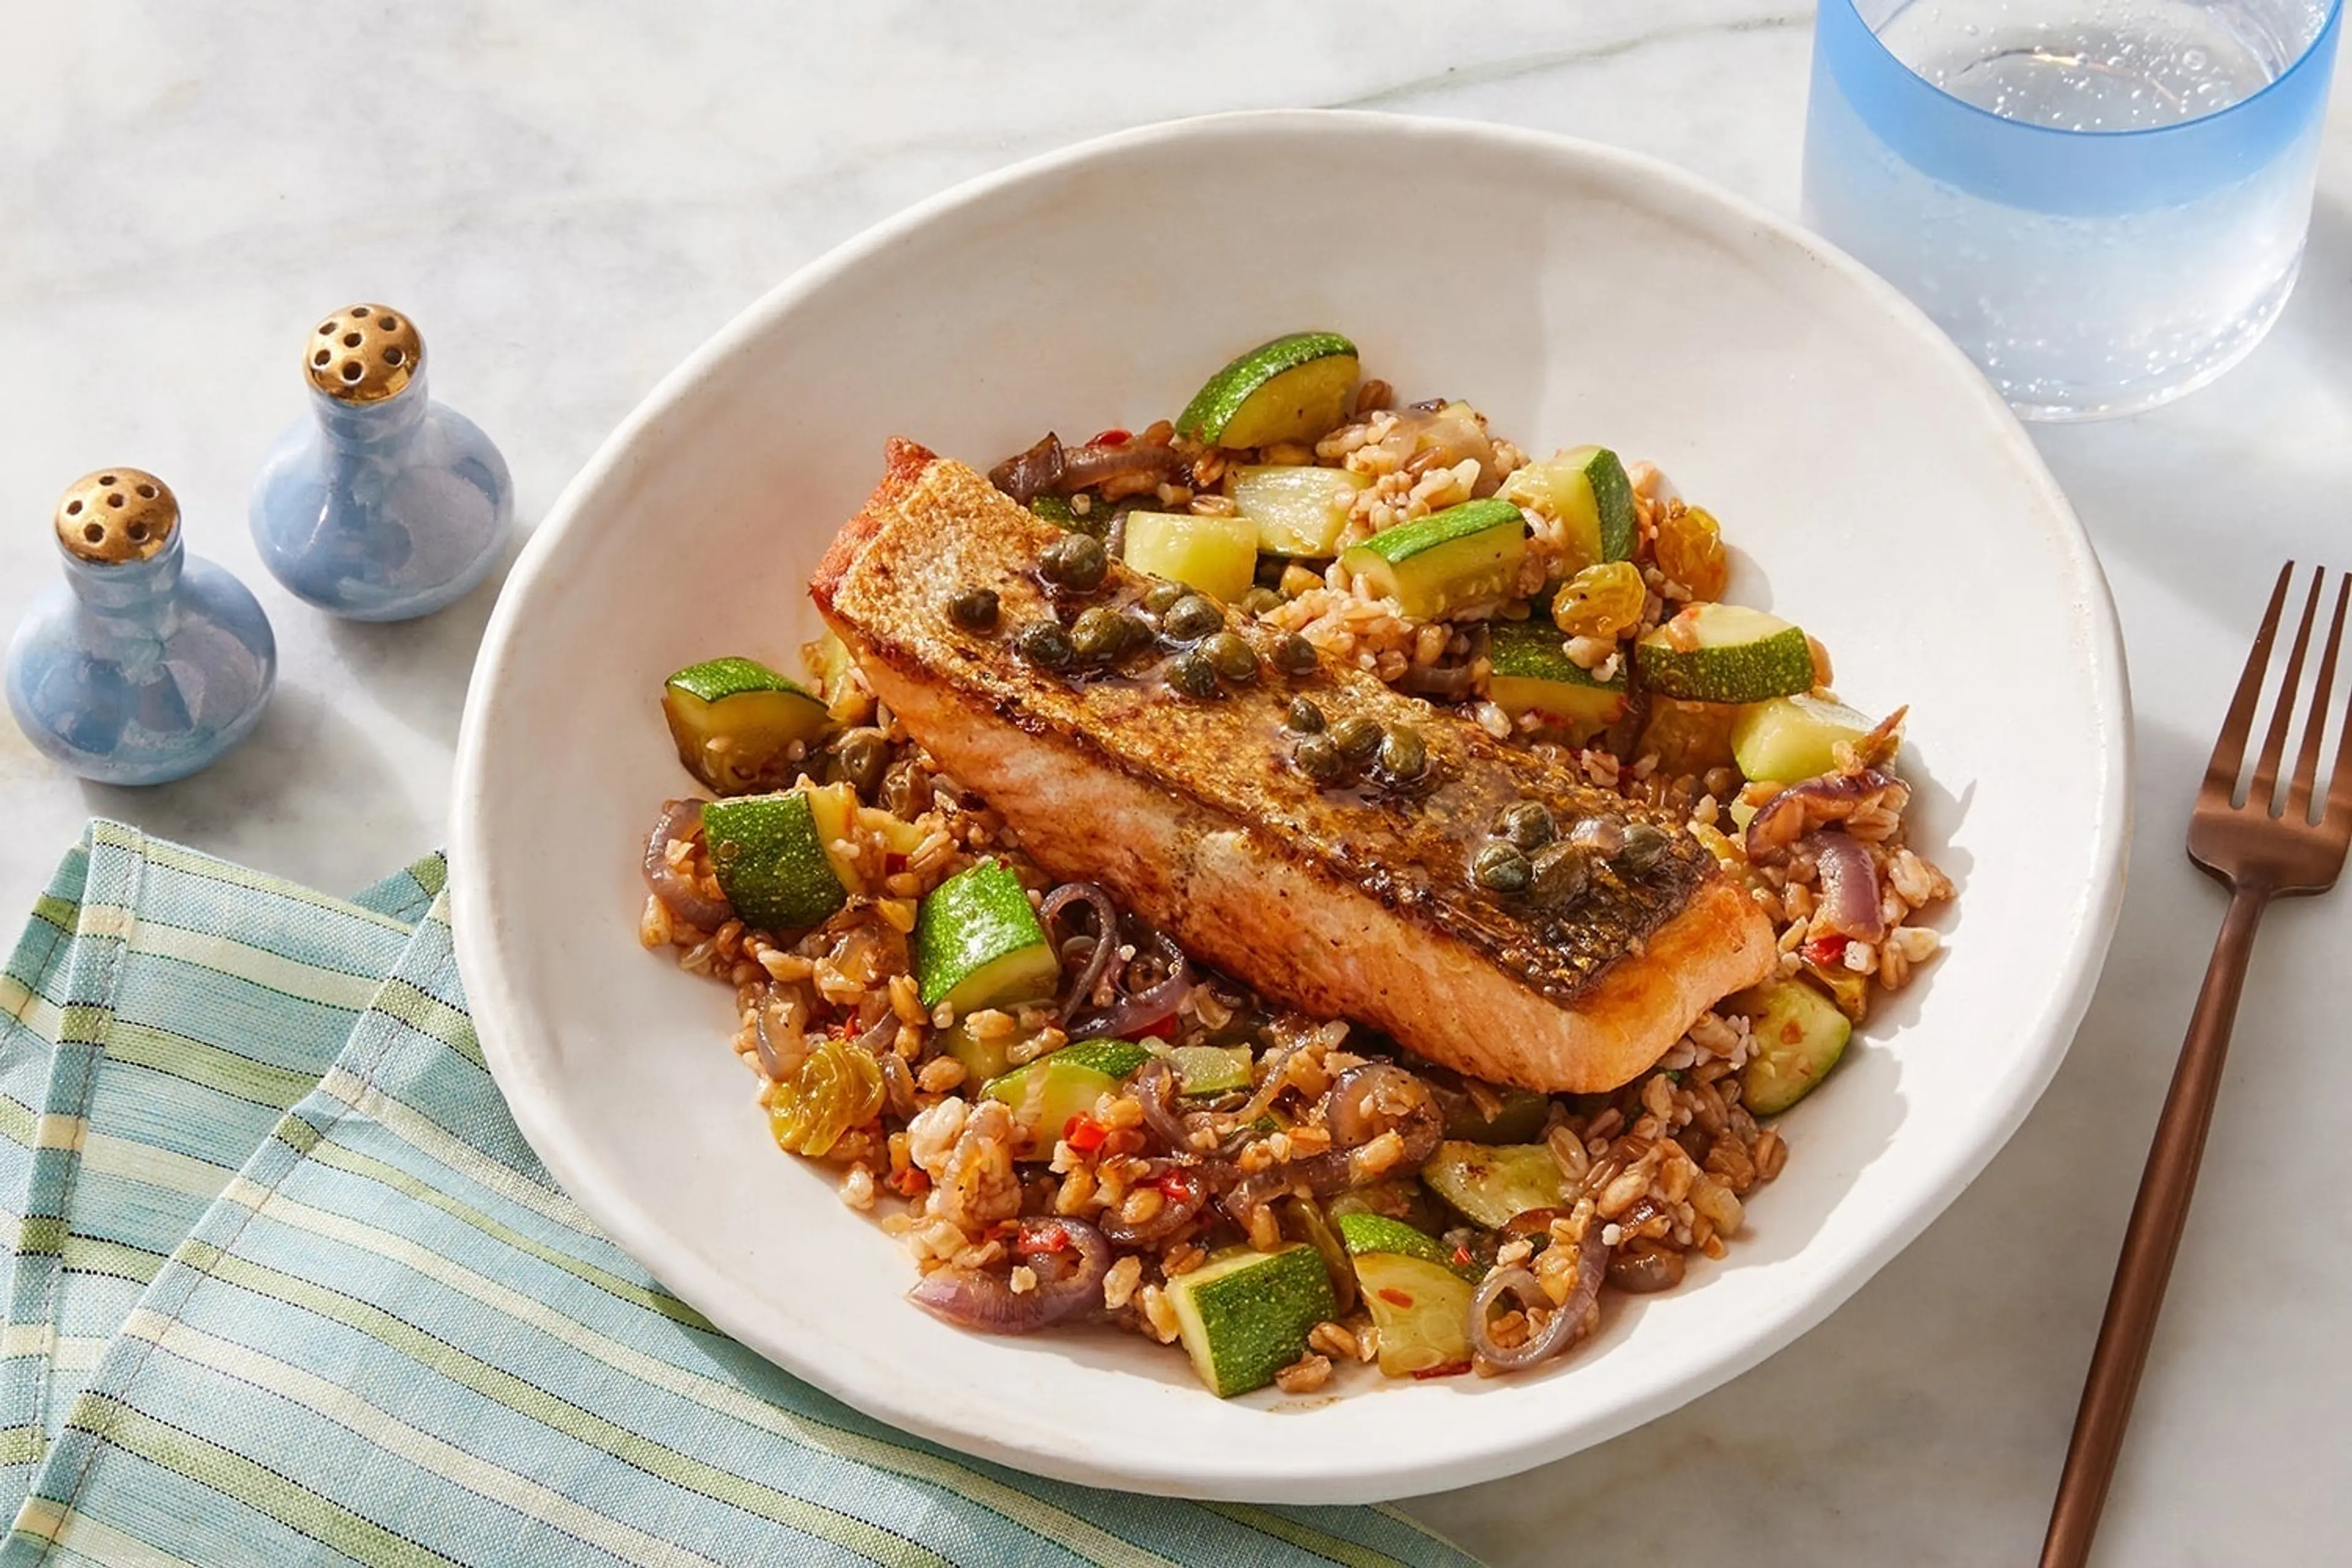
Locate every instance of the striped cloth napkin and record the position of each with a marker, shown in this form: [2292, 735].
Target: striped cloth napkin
[288, 1287]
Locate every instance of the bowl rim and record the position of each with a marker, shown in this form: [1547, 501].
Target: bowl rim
[502, 1021]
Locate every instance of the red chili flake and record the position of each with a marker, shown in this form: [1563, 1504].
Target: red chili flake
[1084, 1134]
[1042, 1239]
[1461, 1257]
[1164, 1030]
[1176, 1187]
[1114, 437]
[1394, 1297]
[910, 1181]
[1450, 1369]
[893, 863]
[1829, 952]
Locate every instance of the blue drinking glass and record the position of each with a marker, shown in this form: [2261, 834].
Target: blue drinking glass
[382, 505]
[146, 663]
[2103, 201]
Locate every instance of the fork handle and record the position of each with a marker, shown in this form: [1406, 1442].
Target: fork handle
[2150, 1242]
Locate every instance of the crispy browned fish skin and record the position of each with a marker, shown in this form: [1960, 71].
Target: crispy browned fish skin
[1190, 813]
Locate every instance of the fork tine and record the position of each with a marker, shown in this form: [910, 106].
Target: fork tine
[2229, 748]
[2266, 768]
[2338, 817]
[2306, 763]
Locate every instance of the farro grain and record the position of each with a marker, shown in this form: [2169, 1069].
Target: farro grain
[1119, 1284]
[1308, 1373]
[1159, 1314]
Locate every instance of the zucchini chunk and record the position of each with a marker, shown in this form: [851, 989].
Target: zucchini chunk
[1218, 555]
[1462, 555]
[1493, 1185]
[1799, 1036]
[1724, 653]
[1244, 1315]
[735, 721]
[1795, 736]
[1294, 388]
[1047, 1094]
[978, 942]
[1421, 1305]
[771, 861]
[1585, 490]
[1532, 674]
[1298, 510]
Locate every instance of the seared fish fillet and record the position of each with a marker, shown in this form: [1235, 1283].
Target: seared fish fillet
[1352, 903]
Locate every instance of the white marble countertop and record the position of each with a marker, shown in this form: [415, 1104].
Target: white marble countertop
[571, 198]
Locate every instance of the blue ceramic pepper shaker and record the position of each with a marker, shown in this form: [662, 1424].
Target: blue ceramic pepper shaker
[145, 663]
[383, 505]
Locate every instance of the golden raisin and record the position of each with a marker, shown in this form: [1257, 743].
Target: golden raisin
[1690, 552]
[1602, 601]
[839, 1087]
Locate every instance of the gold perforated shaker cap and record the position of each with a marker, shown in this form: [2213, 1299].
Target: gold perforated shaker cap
[117, 514]
[364, 353]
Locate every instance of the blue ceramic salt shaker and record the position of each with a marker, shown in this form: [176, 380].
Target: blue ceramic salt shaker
[382, 505]
[145, 663]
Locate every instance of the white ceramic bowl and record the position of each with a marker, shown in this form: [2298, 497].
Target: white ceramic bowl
[1873, 487]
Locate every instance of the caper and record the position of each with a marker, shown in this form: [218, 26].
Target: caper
[1259, 601]
[1294, 654]
[863, 756]
[1102, 633]
[1603, 836]
[1075, 561]
[1402, 754]
[1560, 872]
[1358, 738]
[1319, 759]
[1526, 824]
[1191, 616]
[1191, 673]
[1499, 868]
[1162, 597]
[1304, 716]
[974, 609]
[1045, 644]
[1231, 656]
[1646, 845]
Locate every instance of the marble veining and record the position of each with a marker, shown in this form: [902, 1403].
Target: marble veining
[574, 196]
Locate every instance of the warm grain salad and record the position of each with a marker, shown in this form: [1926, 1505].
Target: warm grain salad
[1303, 881]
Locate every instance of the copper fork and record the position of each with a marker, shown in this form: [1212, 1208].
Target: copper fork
[2262, 849]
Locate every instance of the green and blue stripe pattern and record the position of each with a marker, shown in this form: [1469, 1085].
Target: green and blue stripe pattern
[288, 1287]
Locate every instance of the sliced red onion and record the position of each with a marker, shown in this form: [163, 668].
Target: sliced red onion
[794, 998]
[1033, 472]
[1156, 1090]
[1086, 466]
[673, 887]
[899, 1084]
[1174, 1214]
[1131, 1016]
[1069, 1272]
[1813, 802]
[1273, 1078]
[1106, 938]
[882, 1034]
[1570, 1322]
[1363, 1104]
[1243, 1196]
[1378, 1097]
[1849, 885]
